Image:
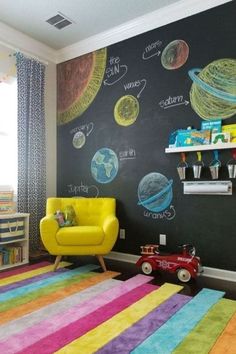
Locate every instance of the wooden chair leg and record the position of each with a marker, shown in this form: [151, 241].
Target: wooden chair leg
[57, 261]
[101, 261]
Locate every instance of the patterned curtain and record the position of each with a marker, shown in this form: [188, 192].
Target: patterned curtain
[31, 196]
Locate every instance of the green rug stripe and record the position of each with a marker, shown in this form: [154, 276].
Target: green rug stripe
[44, 291]
[205, 334]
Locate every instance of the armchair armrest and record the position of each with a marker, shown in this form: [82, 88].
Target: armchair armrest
[48, 229]
[110, 227]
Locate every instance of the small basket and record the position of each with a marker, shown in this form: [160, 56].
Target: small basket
[11, 229]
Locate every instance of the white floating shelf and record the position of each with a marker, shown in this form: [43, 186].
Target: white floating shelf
[201, 148]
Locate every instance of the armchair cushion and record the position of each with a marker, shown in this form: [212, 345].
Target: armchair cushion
[80, 236]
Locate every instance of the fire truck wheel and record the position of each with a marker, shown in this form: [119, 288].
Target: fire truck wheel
[146, 268]
[183, 275]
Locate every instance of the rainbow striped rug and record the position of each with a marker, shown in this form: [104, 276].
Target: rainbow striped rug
[83, 311]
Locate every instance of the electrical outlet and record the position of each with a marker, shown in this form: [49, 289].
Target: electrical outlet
[122, 234]
[162, 239]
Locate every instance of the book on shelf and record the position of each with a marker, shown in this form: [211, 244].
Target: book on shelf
[11, 255]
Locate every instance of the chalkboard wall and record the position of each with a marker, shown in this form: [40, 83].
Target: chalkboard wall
[116, 110]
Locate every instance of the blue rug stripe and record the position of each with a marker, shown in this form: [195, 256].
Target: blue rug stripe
[46, 282]
[167, 337]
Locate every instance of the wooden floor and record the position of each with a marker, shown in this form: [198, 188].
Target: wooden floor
[128, 270]
[191, 288]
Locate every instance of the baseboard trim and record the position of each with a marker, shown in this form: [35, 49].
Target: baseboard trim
[208, 272]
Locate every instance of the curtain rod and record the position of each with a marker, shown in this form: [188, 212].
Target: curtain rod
[24, 52]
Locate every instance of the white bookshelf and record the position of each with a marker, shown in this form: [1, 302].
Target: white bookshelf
[23, 242]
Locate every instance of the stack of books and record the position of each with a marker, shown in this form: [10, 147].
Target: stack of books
[11, 255]
[6, 201]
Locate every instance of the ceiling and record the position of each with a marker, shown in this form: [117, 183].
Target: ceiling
[89, 17]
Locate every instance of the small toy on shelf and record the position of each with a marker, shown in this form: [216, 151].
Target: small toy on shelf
[185, 263]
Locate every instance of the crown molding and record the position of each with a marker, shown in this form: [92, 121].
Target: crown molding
[19, 41]
[155, 19]
[177, 11]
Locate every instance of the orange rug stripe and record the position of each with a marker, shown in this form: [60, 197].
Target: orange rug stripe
[226, 343]
[24, 309]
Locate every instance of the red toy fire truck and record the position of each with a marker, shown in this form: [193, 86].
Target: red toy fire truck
[185, 264]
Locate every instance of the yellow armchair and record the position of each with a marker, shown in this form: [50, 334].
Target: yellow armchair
[95, 234]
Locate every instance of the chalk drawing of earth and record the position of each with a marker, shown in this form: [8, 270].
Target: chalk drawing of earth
[155, 192]
[104, 165]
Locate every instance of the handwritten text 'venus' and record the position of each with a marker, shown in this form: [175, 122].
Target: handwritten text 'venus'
[136, 84]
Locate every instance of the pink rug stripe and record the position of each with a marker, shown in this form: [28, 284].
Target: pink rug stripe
[23, 269]
[68, 333]
[60, 320]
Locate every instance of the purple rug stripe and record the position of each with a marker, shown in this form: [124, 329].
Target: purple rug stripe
[129, 339]
[34, 279]
[23, 269]
[65, 335]
[49, 326]
[30, 319]
[55, 323]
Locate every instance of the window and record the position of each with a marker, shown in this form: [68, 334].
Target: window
[8, 134]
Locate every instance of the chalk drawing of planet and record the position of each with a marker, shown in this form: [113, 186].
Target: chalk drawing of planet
[104, 165]
[79, 81]
[213, 92]
[79, 140]
[155, 192]
[126, 110]
[175, 54]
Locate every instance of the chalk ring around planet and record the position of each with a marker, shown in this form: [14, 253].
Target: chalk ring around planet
[208, 88]
[145, 203]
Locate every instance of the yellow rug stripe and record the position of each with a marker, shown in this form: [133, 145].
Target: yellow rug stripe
[101, 335]
[31, 273]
